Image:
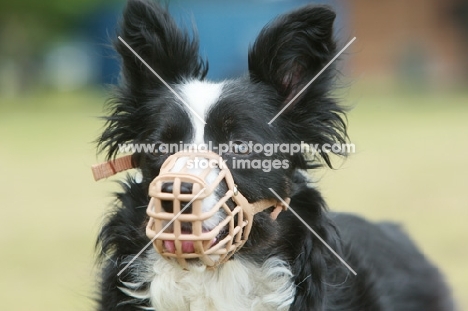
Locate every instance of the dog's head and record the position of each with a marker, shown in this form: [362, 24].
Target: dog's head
[254, 123]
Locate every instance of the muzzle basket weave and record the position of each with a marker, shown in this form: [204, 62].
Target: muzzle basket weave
[235, 225]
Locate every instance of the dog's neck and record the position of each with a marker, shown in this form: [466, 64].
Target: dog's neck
[235, 285]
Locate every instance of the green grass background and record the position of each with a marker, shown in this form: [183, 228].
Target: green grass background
[410, 166]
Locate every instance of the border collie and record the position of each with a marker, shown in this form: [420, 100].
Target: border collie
[283, 265]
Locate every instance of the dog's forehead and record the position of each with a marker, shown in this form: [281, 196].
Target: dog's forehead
[200, 96]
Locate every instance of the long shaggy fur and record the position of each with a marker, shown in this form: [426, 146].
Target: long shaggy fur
[283, 266]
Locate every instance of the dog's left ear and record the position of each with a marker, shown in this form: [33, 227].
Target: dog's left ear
[292, 49]
[287, 54]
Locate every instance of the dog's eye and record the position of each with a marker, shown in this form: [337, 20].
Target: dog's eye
[240, 147]
[160, 149]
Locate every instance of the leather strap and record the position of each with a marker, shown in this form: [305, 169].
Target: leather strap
[110, 168]
[262, 205]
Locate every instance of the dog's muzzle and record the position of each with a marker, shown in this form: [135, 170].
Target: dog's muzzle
[176, 213]
[180, 234]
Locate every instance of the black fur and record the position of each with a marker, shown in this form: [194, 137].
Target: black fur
[392, 273]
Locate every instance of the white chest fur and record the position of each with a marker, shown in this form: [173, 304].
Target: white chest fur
[235, 286]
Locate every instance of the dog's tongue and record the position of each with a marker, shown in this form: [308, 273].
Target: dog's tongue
[187, 246]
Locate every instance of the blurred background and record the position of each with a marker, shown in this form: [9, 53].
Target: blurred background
[405, 78]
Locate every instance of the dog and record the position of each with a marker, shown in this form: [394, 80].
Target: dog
[337, 262]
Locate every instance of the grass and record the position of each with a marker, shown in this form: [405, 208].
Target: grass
[410, 167]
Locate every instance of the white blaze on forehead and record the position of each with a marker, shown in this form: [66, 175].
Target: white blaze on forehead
[201, 96]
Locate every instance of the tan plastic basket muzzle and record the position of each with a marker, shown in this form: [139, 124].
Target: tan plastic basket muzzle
[181, 244]
[235, 223]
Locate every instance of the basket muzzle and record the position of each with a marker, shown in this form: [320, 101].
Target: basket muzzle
[211, 228]
[188, 218]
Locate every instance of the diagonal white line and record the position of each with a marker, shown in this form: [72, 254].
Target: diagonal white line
[159, 233]
[313, 231]
[313, 79]
[162, 80]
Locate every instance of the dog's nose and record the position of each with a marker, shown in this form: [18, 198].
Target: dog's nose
[185, 188]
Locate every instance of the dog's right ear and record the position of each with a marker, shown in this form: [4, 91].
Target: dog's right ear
[172, 53]
[151, 32]
[287, 54]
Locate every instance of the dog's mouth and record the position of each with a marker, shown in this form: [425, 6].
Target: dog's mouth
[187, 246]
[210, 233]
[186, 239]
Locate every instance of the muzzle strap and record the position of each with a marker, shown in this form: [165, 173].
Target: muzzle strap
[262, 205]
[110, 168]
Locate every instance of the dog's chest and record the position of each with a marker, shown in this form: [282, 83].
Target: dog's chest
[236, 285]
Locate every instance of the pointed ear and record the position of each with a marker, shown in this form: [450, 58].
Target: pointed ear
[292, 49]
[287, 54]
[151, 32]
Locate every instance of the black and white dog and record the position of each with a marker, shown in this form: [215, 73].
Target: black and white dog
[283, 265]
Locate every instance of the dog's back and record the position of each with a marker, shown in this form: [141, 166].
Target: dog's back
[401, 276]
